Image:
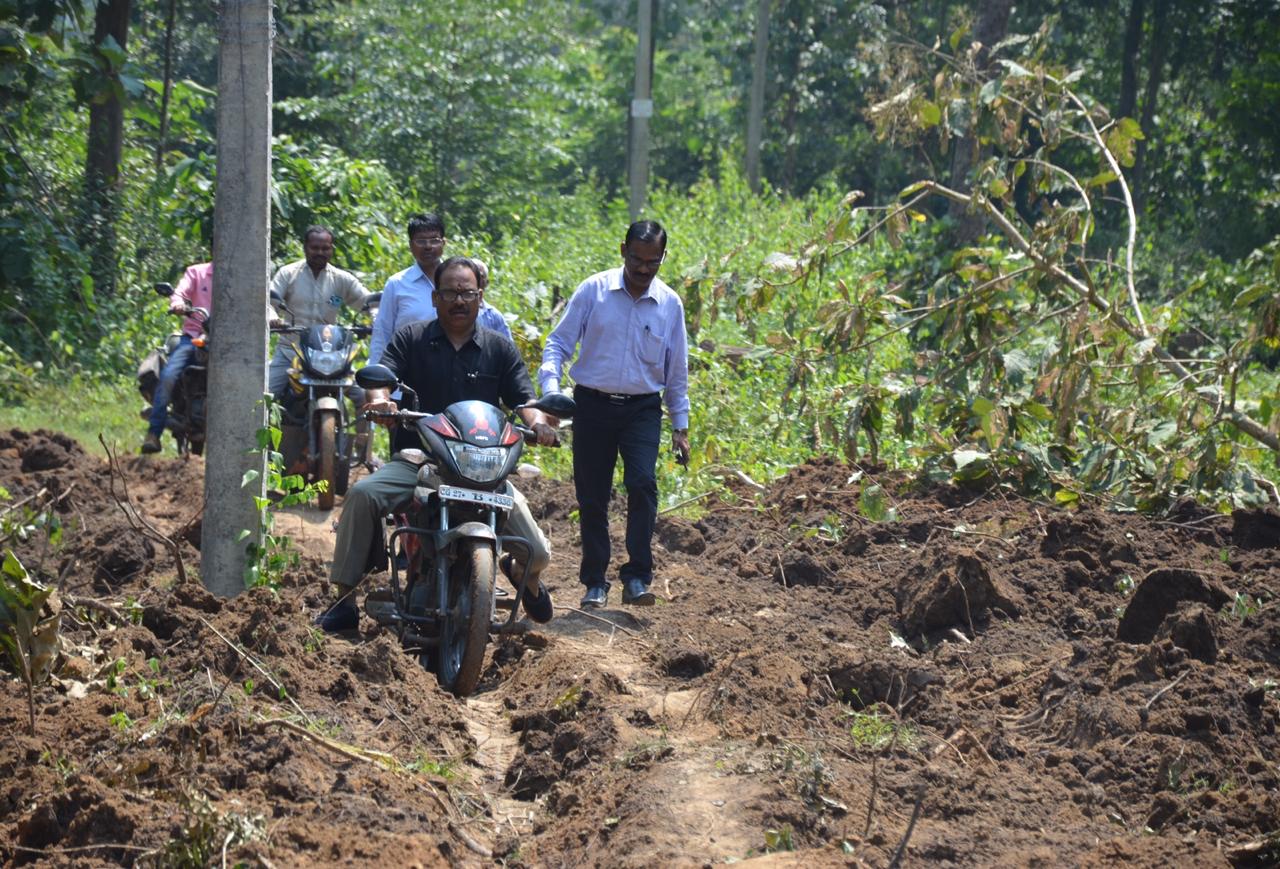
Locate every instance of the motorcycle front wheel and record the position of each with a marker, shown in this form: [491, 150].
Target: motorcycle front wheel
[327, 446]
[464, 631]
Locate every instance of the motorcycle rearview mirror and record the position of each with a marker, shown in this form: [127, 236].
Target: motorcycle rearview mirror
[555, 403]
[163, 289]
[376, 377]
[372, 301]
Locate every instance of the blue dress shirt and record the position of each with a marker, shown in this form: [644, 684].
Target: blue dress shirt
[406, 298]
[632, 346]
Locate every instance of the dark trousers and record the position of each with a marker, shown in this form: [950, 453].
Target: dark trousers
[601, 431]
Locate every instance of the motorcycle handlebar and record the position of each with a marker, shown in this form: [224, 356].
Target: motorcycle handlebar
[189, 311]
[397, 415]
[531, 437]
[403, 416]
[358, 331]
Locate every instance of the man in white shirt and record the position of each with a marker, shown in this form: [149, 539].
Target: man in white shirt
[406, 297]
[628, 330]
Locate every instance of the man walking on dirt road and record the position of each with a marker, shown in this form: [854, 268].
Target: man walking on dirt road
[634, 357]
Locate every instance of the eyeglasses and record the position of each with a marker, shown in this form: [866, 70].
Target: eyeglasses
[645, 263]
[454, 295]
[434, 241]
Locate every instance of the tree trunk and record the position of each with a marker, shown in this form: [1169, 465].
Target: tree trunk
[1155, 78]
[990, 27]
[755, 113]
[162, 143]
[1129, 60]
[105, 144]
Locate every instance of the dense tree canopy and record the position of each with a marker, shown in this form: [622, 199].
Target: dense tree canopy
[510, 118]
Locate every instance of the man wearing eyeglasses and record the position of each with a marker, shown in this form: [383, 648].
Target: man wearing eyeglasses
[406, 297]
[628, 328]
[443, 361]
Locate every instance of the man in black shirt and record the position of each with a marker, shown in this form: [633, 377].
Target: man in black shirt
[444, 360]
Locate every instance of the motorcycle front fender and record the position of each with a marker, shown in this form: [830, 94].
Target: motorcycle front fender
[478, 530]
[325, 402]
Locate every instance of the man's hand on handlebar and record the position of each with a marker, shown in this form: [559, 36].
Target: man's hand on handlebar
[546, 435]
[382, 405]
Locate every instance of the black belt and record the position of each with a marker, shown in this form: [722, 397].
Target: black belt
[611, 397]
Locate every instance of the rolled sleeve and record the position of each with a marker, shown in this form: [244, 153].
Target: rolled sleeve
[353, 292]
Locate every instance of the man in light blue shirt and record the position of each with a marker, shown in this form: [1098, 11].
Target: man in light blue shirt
[406, 297]
[633, 357]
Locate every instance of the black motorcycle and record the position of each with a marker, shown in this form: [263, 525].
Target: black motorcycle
[322, 382]
[449, 541]
[187, 403]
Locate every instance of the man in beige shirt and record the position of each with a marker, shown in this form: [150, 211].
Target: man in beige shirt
[314, 292]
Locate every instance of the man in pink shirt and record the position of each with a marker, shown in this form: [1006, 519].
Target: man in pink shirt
[194, 290]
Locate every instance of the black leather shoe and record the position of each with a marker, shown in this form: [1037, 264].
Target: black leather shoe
[596, 596]
[342, 616]
[635, 592]
[538, 608]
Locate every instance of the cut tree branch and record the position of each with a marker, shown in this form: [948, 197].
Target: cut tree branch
[1242, 421]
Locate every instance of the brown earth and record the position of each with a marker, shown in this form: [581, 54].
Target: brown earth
[1029, 686]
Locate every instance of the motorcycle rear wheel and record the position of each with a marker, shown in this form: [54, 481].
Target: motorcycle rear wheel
[327, 445]
[464, 631]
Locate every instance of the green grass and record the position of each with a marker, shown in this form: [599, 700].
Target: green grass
[873, 731]
[83, 408]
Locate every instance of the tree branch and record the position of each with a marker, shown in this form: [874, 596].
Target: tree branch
[1242, 421]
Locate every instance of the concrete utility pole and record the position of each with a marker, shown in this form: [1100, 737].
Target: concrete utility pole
[237, 364]
[755, 112]
[641, 109]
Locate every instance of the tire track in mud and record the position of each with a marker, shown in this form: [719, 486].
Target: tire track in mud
[678, 763]
[677, 799]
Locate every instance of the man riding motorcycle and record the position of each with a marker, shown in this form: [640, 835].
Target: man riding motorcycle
[444, 361]
[314, 292]
[195, 290]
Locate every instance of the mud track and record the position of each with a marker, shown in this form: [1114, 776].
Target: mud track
[1029, 686]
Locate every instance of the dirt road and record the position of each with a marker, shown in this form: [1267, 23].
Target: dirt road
[984, 681]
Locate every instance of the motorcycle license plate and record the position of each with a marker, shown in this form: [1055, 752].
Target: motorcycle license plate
[316, 381]
[471, 496]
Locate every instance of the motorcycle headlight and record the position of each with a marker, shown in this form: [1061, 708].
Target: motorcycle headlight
[327, 362]
[482, 464]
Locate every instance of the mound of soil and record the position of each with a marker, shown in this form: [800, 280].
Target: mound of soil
[1031, 686]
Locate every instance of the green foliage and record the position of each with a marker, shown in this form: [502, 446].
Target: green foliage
[1242, 606]
[779, 839]
[825, 322]
[268, 560]
[872, 730]
[30, 617]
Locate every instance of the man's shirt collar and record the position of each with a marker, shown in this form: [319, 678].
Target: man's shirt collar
[435, 332]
